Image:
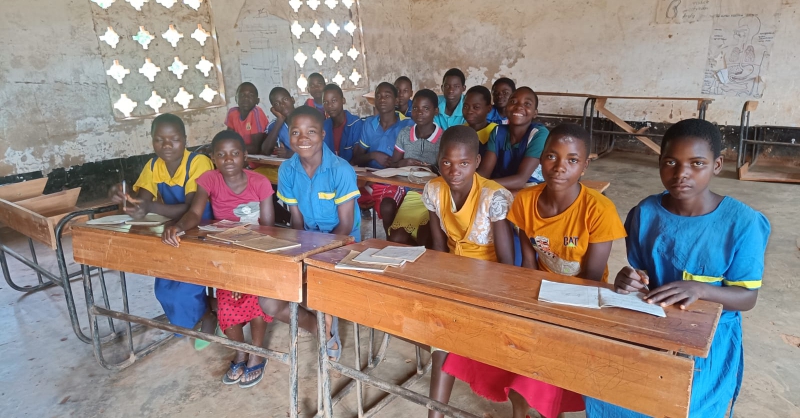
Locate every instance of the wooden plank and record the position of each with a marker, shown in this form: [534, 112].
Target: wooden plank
[366, 176]
[23, 190]
[52, 204]
[600, 107]
[688, 99]
[641, 379]
[600, 186]
[27, 222]
[750, 105]
[558, 94]
[774, 177]
[515, 290]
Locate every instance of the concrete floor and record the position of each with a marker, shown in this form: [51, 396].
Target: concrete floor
[45, 371]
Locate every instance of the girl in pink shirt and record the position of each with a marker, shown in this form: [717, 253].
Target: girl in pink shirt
[237, 195]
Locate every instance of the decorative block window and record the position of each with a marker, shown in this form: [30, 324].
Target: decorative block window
[283, 46]
[160, 56]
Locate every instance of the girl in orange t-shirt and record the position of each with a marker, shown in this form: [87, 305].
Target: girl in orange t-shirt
[564, 228]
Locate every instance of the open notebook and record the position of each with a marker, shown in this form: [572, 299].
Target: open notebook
[247, 238]
[348, 263]
[595, 298]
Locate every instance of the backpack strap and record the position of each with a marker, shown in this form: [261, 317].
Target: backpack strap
[189, 164]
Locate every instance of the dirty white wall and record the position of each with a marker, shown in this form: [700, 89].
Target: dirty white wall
[54, 108]
[611, 47]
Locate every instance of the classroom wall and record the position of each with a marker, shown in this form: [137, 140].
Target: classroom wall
[55, 112]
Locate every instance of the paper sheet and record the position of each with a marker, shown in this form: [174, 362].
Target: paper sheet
[391, 172]
[632, 301]
[347, 263]
[151, 219]
[409, 254]
[110, 220]
[367, 257]
[569, 294]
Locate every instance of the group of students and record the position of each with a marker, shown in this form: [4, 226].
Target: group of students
[684, 244]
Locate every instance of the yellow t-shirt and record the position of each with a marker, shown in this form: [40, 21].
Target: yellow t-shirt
[485, 133]
[150, 178]
[561, 241]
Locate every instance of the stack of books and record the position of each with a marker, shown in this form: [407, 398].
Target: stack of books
[377, 260]
[247, 238]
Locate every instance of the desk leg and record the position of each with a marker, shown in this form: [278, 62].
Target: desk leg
[35, 267]
[357, 364]
[293, 372]
[325, 364]
[35, 260]
[374, 223]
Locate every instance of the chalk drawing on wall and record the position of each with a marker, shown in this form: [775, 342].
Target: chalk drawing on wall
[738, 55]
[685, 11]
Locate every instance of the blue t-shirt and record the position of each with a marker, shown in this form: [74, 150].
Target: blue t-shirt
[457, 118]
[494, 117]
[509, 157]
[350, 135]
[318, 197]
[283, 134]
[722, 248]
[374, 138]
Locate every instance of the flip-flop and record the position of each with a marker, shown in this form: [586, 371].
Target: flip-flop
[247, 370]
[336, 354]
[234, 368]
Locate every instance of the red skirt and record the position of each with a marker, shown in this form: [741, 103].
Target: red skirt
[494, 384]
[232, 312]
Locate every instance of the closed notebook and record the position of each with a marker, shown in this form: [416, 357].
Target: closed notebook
[368, 257]
[247, 238]
[347, 263]
[595, 298]
[151, 219]
[410, 254]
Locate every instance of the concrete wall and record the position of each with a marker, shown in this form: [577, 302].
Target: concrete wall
[54, 109]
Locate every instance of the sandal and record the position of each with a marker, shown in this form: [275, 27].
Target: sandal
[247, 370]
[235, 367]
[335, 354]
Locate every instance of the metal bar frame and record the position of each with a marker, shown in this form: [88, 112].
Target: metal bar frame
[63, 277]
[96, 311]
[361, 377]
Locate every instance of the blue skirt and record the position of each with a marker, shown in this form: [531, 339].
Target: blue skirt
[184, 303]
[717, 378]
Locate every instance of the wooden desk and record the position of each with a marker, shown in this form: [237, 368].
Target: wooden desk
[269, 162]
[203, 262]
[457, 304]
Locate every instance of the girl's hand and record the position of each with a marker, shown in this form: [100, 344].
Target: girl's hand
[137, 208]
[683, 292]
[380, 158]
[281, 152]
[631, 280]
[116, 195]
[236, 295]
[170, 236]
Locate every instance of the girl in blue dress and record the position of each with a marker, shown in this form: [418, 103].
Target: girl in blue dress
[690, 243]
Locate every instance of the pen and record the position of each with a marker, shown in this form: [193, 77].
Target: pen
[125, 201]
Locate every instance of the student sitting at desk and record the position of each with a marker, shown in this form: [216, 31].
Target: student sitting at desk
[565, 228]
[477, 103]
[502, 89]
[375, 149]
[468, 218]
[404, 93]
[689, 243]
[316, 86]
[416, 145]
[452, 100]
[167, 186]
[247, 119]
[342, 128]
[321, 191]
[237, 195]
[278, 139]
[512, 157]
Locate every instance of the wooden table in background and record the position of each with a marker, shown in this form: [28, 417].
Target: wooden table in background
[204, 262]
[489, 312]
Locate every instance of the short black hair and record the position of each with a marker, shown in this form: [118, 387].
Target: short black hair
[316, 75]
[428, 94]
[460, 135]
[696, 128]
[247, 84]
[306, 110]
[333, 87]
[535, 96]
[388, 85]
[276, 90]
[168, 119]
[404, 78]
[507, 81]
[227, 135]
[481, 91]
[455, 72]
[570, 130]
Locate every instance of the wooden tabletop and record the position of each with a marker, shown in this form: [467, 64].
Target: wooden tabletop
[203, 261]
[270, 161]
[515, 290]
